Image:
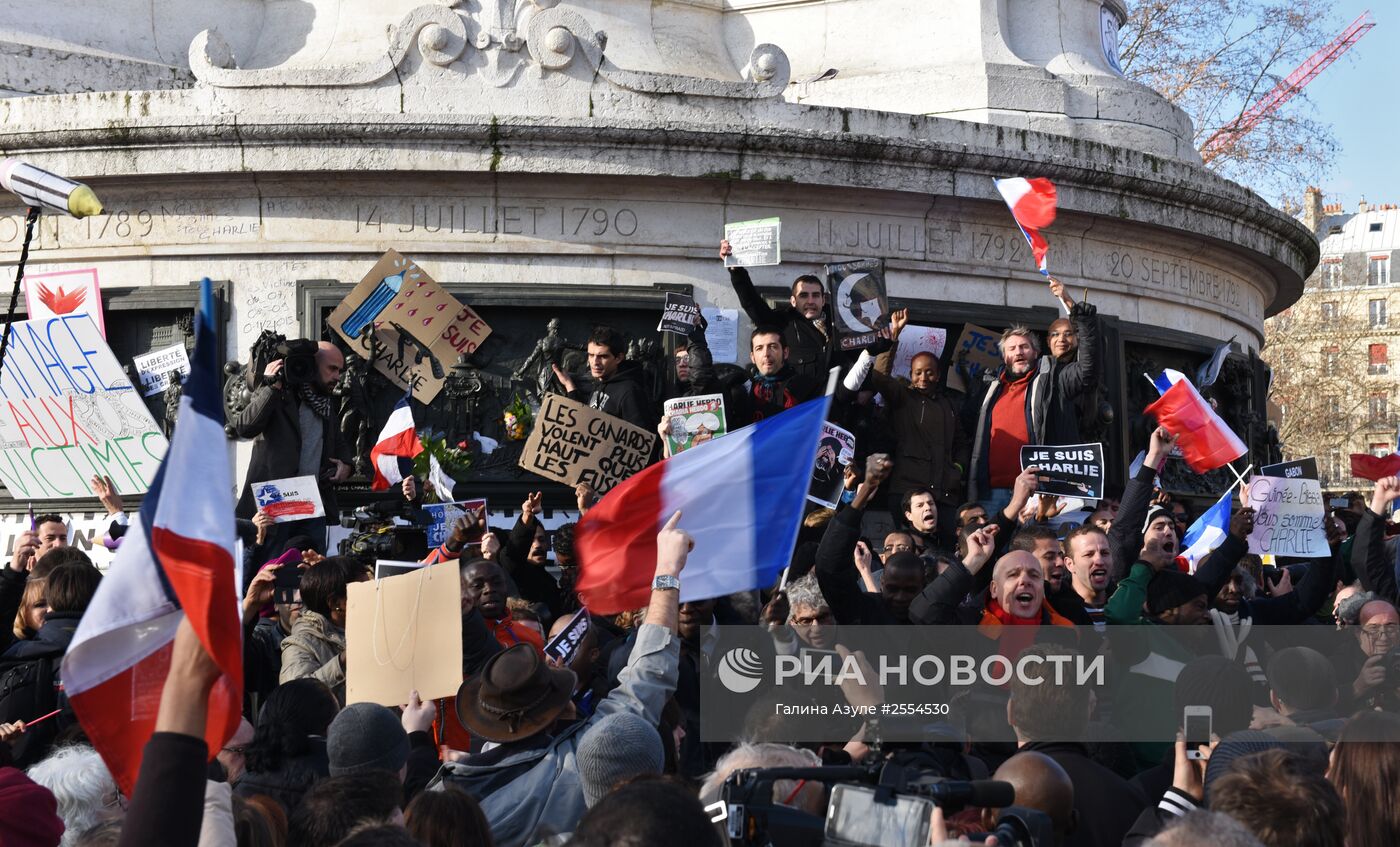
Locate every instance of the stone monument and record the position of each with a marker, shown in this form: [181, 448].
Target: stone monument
[586, 153]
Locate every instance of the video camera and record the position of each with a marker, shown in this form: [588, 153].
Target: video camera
[375, 536]
[881, 805]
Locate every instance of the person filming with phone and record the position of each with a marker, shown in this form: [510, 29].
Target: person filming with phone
[291, 416]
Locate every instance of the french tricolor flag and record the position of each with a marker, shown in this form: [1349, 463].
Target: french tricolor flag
[392, 456]
[1206, 442]
[741, 498]
[1207, 532]
[1032, 203]
[176, 560]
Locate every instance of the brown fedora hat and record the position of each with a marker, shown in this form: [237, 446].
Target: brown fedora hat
[515, 696]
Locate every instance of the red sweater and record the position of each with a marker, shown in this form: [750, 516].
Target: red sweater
[1009, 432]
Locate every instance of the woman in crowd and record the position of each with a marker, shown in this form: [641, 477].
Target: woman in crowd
[288, 751]
[316, 645]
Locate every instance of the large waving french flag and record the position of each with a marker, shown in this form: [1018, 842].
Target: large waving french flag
[176, 560]
[1205, 440]
[1032, 203]
[392, 455]
[741, 498]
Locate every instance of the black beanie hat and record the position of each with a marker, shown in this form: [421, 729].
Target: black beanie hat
[1170, 588]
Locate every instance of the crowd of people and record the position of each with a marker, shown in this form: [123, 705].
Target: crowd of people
[607, 748]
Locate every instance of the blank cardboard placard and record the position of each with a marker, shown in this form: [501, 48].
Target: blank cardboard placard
[402, 634]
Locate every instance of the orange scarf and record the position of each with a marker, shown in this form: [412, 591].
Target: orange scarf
[1010, 642]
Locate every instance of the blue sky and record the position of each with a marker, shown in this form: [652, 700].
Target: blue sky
[1356, 96]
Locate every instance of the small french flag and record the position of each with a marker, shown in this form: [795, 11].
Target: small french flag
[1205, 440]
[1032, 203]
[1208, 531]
[741, 499]
[392, 456]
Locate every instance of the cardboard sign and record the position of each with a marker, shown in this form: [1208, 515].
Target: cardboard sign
[59, 293]
[722, 334]
[915, 340]
[693, 420]
[572, 443]
[858, 294]
[835, 452]
[404, 633]
[680, 315]
[983, 350]
[1289, 517]
[1298, 469]
[293, 499]
[754, 243]
[154, 368]
[69, 413]
[384, 568]
[1066, 470]
[441, 517]
[563, 646]
[415, 320]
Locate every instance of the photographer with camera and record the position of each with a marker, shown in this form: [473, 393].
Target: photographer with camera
[292, 417]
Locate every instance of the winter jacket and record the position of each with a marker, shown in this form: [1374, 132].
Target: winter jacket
[931, 449]
[1051, 413]
[837, 576]
[272, 418]
[621, 395]
[11, 597]
[766, 396]
[533, 582]
[530, 789]
[1368, 558]
[810, 350]
[262, 659]
[167, 807]
[1107, 804]
[30, 686]
[313, 649]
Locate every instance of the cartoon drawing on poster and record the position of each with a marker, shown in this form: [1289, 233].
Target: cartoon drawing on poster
[857, 290]
[835, 452]
[74, 292]
[154, 368]
[69, 413]
[412, 328]
[691, 421]
[292, 499]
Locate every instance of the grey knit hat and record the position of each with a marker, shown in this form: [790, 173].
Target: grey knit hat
[366, 736]
[619, 746]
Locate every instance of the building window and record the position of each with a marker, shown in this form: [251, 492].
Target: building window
[1377, 313]
[1375, 227]
[1380, 449]
[1377, 407]
[1334, 466]
[1378, 272]
[1333, 405]
[1329, 361]
[1379, 359]
[1332, 274]
[1329, 311]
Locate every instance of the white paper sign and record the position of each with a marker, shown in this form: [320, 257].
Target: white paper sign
[286, 500]
[915, 340]
[722, 334]
[153, 368]
[1288, 517]
[69, 413]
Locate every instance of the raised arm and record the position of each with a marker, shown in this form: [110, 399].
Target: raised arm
[1125, 536]
[1368, 557]
[835, 567]
[938, 603]
[754, 305]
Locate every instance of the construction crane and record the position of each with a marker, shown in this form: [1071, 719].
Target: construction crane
[1305, 73]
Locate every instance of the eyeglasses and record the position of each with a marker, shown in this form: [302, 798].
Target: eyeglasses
[1389, 630]
[819, 618]
[115, 800]
[237, 749]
